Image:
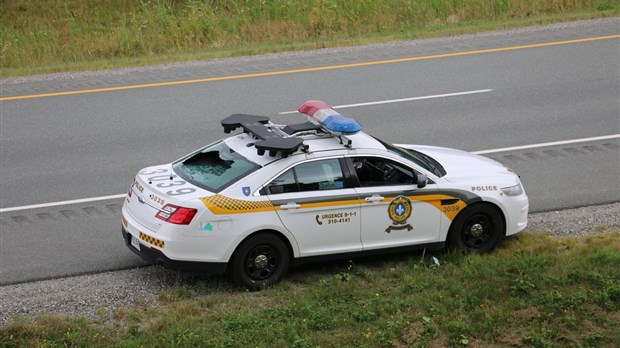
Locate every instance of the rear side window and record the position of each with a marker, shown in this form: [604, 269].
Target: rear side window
[284, 183]
[215, 167]
[310, 176]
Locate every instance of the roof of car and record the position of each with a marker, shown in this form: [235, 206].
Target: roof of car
[263, 142]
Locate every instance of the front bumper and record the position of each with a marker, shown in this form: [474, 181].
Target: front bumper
[155, 256]
[516, 221]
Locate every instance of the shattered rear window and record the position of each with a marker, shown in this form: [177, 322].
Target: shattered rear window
[215, 167]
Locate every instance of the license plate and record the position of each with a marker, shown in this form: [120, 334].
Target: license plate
[135, 242]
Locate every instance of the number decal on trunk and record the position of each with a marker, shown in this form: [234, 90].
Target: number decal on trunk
[153, 171]
[168, 181]
[181, 191]
[170, 184]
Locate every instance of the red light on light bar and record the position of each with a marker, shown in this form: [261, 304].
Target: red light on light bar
[312, 106]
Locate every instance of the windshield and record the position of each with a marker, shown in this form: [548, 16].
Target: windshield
[419, 158]
[215, 167]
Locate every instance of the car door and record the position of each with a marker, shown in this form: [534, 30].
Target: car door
[316, 203]
[395, 212]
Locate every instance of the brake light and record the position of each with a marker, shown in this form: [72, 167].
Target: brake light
[176, 215]
[130, 192]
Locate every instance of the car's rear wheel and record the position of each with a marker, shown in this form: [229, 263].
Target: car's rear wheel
[259, 261]
[478, 228]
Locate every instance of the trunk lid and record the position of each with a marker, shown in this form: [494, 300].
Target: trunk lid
[155, 187]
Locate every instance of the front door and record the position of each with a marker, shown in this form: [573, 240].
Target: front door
[395, 212]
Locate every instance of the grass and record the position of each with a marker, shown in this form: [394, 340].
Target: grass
[50, 35]
[534, 291]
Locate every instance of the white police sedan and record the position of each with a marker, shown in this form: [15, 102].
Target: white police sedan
[257, 202]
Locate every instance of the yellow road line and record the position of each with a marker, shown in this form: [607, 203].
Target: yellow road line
[321, 68]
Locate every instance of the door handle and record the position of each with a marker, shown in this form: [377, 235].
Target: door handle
[290, 205]
[374, 199]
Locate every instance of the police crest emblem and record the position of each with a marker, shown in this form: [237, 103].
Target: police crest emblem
[246, 191]
[399, 211]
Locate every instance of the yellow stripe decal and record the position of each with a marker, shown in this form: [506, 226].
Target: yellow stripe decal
[219, 204]
[450, 211]
[151, 240]
[304, 70]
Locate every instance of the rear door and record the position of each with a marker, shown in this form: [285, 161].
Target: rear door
[317, 204]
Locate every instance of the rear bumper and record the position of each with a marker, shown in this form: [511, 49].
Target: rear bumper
[157, 257]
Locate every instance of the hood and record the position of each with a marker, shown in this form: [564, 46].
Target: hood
[460, 164]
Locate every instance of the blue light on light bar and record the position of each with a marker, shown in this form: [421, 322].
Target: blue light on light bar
[338, 124]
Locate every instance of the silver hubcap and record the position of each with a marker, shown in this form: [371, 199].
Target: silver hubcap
[476, 230]
[261, 261]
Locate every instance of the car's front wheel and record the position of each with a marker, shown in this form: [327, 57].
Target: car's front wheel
[259, 261]
[478, 228]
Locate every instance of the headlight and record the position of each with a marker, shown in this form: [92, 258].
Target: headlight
[512, 191]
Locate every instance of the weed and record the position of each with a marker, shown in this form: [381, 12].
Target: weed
[102, 314]
[522, 285]
[74, 35]
[183, 338]
[600, 228]
[540, 337]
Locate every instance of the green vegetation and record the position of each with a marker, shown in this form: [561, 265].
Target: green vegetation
[533, 291]
[52, 35]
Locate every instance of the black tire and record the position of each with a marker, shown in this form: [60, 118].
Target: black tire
[261, 260]
[478, 228]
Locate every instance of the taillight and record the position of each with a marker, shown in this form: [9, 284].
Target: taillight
[130, 192]
[176, 215]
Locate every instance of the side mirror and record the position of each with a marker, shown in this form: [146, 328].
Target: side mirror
[422, 180]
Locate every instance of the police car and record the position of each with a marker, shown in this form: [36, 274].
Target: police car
[273, 196]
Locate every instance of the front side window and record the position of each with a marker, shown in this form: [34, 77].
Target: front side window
[215, 167]
[376, 171]
[310, 176]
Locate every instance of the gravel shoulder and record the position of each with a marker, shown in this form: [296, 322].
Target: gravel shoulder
[99, 296]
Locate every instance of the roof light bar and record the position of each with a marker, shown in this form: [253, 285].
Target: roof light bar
[322, 114]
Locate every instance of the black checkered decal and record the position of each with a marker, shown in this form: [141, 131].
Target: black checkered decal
[151, 240]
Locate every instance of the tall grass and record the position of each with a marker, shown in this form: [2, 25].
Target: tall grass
[534, 291]
[52, 32]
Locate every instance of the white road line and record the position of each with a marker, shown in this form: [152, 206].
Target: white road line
[53, 204]
[554, 143]
[401, 100]
[503, 149]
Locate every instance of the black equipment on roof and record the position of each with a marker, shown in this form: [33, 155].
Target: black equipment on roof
[269, 140]
[302, 127]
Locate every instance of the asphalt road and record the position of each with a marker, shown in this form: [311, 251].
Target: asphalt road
[74, 136]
